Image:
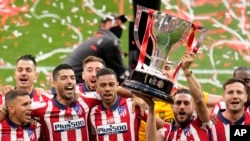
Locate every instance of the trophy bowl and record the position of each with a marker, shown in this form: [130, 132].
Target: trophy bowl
[167, 32]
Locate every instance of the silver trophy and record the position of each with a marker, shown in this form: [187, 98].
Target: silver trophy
[167, 33]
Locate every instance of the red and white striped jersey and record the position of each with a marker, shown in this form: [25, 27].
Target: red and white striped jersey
[67, 123]
[82, 87]
[220, 106]
[194, 131]
[43, 97]
[118, 123]
[12, 132]
[221, 130]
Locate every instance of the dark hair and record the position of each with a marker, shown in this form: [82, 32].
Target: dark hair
[60, 67]
[13, 94]
[234, 80]
[27, 57]
[93, 59]
[240, 68]
[182, 91]
[105, 71]
[113, 16]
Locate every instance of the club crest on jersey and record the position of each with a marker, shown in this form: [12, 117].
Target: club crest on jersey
[187, 131]
[68, 125]
[78, 109]
[122, 111]
[112, 128]
[31, 134]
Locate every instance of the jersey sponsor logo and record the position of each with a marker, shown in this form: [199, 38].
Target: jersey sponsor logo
[112, 129]
[69, 125]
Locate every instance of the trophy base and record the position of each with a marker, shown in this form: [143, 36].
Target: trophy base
[149, 85]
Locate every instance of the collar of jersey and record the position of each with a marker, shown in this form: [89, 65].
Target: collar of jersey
[13, 125]
[114, 106]
[84, 87]
[61, 106]
[226, 121]
[175, 127]
[32, 94]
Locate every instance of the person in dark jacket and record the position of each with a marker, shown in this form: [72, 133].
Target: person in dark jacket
[105, 44]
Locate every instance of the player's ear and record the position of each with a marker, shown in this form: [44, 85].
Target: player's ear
[10, 109]
[83, 75]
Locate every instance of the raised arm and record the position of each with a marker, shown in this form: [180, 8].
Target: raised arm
[152, 123]
[195, 88]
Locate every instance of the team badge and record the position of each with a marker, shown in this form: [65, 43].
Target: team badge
[122, 111]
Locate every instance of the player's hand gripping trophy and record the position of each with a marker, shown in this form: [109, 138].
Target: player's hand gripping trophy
[167, 33]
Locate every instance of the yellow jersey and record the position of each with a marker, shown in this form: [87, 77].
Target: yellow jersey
[163, 111]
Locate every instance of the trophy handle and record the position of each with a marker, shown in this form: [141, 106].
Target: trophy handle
[142, 47]
[139, 11]
[190, 48]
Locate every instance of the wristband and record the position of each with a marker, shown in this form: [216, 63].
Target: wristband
[188, 73]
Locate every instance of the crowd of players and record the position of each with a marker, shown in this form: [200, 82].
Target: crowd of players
[100, 109]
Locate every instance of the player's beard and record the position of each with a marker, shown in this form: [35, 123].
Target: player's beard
[183, 123]
[64, 94]
[236, 111]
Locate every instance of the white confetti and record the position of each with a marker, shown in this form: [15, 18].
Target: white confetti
[61, 5]
[63, 22]
[74, 36]
[45, 12]
[45, 25]
[44, 35]
[53, 20]
[81, 20]
[74, 9]
[9, 79]
[68, 19]
[54, 4]
[6, 27]
[5, 47]
[27, 15]
[16, 33]
[50, 40]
